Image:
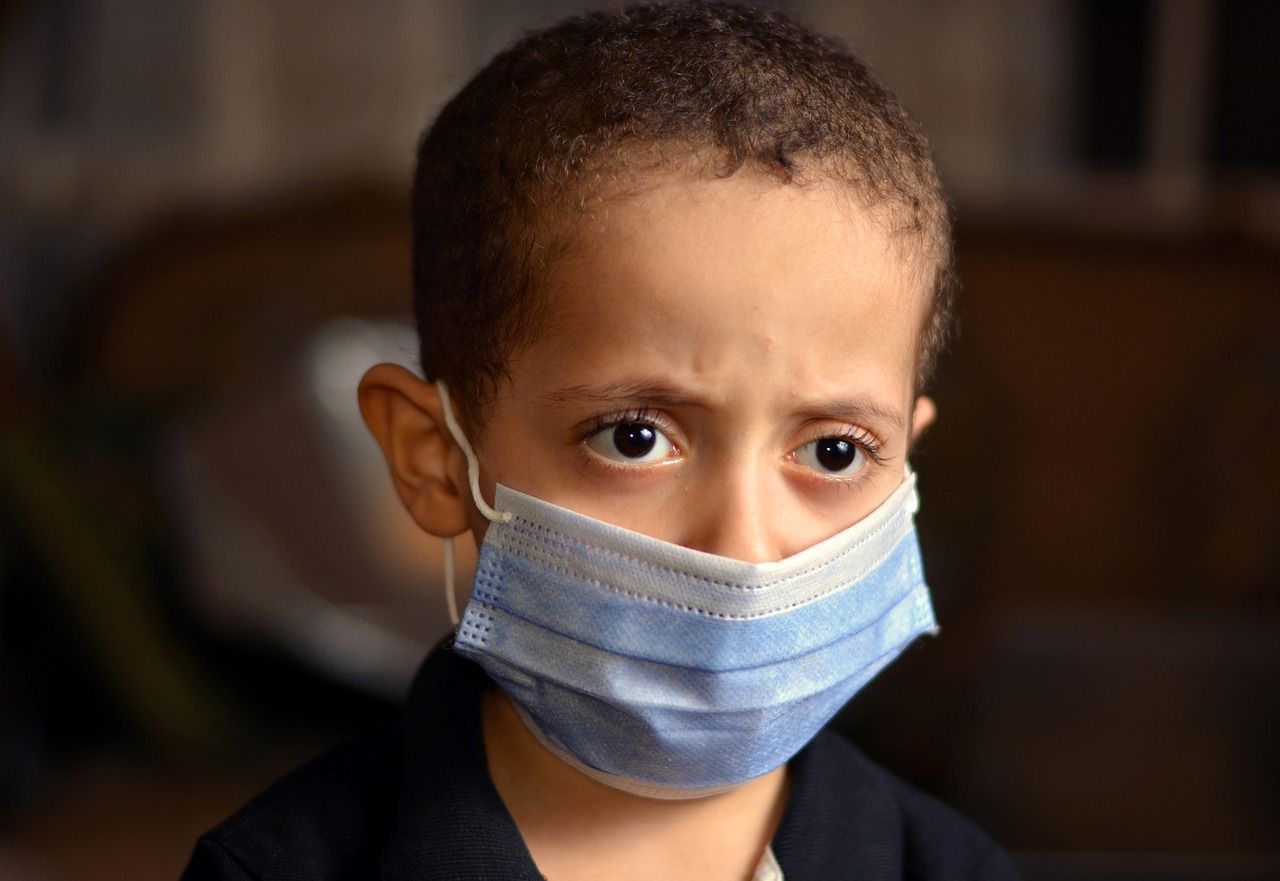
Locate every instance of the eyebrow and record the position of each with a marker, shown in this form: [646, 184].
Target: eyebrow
[646, 392]
[859, 408]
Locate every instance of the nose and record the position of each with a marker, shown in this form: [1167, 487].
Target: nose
[730, 515]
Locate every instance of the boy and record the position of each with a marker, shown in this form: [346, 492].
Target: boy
[680, 274]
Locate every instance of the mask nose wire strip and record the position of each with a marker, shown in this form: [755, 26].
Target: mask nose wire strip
[473, 477]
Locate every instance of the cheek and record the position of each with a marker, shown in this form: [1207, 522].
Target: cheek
[521, 454]
[479, 526]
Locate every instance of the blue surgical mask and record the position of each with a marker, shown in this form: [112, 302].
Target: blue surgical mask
[673, 673]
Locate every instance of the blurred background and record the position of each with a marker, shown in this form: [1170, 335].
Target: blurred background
[205, 577]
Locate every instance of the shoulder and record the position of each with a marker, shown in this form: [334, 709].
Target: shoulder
[326, 819]
[876, 819]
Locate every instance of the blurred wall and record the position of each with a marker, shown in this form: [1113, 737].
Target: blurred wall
[1100, 492]
[113, 112]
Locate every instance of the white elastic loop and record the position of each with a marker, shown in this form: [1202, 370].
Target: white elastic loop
[450, 591]
[473, 464]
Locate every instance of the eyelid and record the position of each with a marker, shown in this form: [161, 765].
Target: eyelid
[642, 415]
[864, 438]
[632, 415]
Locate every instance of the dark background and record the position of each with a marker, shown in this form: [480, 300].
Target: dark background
[204, 580]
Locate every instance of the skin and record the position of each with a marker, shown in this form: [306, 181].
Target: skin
[735, 328]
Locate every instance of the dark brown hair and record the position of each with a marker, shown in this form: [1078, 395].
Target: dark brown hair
[548, 117]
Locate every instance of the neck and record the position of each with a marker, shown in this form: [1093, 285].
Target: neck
[577, 827]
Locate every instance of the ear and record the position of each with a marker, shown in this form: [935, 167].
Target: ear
[406, 417]
[922, 416]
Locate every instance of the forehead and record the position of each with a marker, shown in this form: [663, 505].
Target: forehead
[679, 213]
[644, 180]
[705, 275]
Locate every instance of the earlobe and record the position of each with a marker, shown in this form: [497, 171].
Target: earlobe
[406, 417]
[922, 416]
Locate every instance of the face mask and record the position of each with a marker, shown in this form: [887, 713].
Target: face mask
[673, 673]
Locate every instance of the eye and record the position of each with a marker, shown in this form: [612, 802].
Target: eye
[630, 443]
[832, 455]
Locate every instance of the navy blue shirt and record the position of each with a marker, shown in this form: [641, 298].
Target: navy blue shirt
[414, 800]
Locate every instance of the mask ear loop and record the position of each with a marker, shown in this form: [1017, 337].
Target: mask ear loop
[450, 591]
[473, 478]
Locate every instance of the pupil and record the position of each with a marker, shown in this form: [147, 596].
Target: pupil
[835, 454]
[634, 441]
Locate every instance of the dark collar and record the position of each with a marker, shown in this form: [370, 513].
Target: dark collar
[840, 822]
[451, 823]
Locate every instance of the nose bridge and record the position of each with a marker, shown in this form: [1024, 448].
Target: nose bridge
[734, 516]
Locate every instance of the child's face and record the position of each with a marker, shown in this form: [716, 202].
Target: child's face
[729, 366]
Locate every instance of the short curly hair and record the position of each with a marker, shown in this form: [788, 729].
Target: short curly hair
[554, 114]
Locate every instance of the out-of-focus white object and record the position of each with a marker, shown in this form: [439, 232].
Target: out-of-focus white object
[293, 530]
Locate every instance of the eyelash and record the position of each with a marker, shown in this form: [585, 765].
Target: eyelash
[868, 442]
[633, 416]
[637, 416]
[864, 439]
